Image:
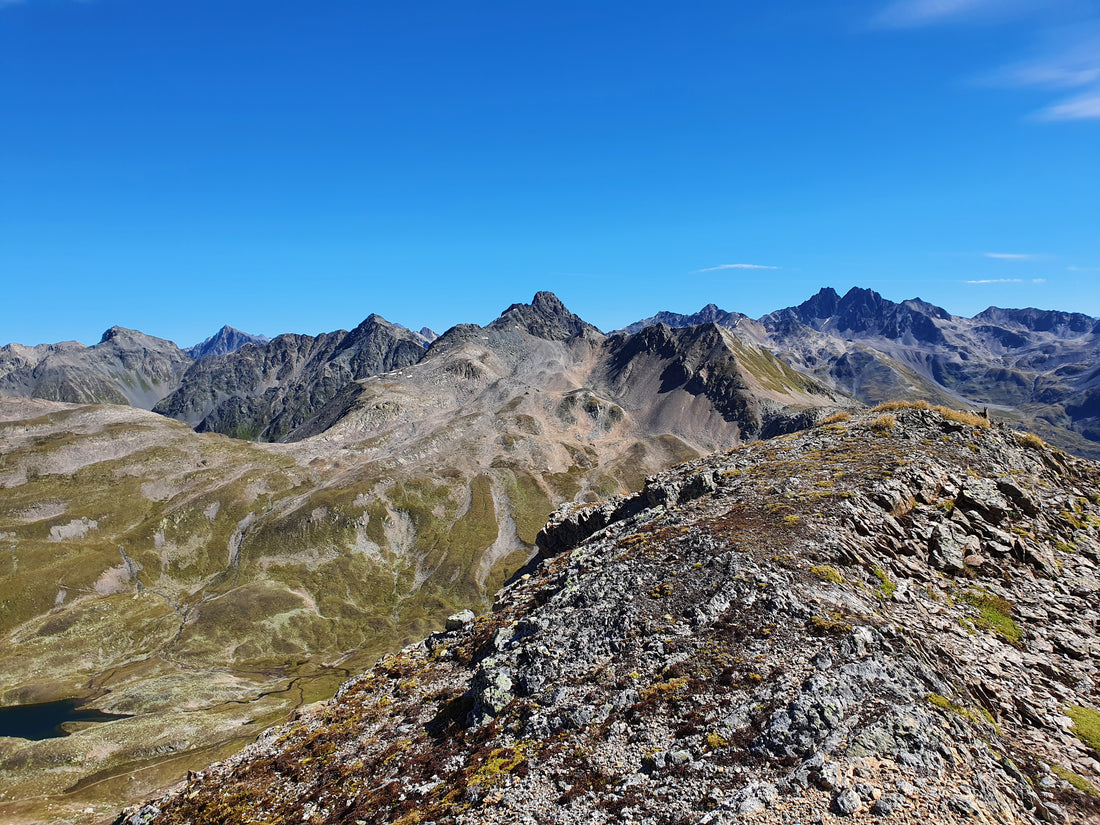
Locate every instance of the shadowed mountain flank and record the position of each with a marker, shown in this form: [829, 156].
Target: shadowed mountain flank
[263, 391]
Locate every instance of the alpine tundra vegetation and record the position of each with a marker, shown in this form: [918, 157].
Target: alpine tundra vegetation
[788, 631]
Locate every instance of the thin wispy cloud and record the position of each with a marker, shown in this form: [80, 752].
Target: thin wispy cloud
[996, 281]
[1083, 107]
[1068, 59]
[914, 13]
[721, 267]
[1038, 280]
[1010, 256]
[1083, 268]
[1065, 56]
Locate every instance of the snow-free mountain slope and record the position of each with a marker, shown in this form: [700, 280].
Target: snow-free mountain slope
[125, 367]
[263, 391]
[225, 340]
[892, 617]
[1039, 368]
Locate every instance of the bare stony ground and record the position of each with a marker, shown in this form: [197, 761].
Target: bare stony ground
[890, 617]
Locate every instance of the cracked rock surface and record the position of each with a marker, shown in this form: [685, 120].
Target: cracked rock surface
[886, 621]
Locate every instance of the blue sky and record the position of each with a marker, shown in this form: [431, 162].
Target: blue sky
[285, 166]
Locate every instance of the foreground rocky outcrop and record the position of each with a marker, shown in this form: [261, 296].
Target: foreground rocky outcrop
[891, 615]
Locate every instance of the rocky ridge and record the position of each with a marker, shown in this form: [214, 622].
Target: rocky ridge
[893, 614]
[1029, 366]
[125, 367]
[262, 391]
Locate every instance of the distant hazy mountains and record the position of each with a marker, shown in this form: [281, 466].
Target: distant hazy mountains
[1040, 368]
[224, 341]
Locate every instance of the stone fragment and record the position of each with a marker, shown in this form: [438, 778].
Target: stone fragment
[980, 495]
[1020, 498]
[887, 805]
[947, 549]
[964, 806]
[848, 802]
[754, 798]
[457, 621]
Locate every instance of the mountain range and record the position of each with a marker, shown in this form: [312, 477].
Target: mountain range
[155, 568]
[208, 588]
[1036, 368]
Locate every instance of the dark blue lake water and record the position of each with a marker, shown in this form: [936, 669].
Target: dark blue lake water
[44, 721]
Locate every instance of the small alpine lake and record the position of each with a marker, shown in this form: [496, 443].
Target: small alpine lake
[47, 720]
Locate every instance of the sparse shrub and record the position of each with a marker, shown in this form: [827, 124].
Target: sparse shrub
[1086, 725]
[887, 587]
[835, 418]
[714, 741]
[964, 417]
[1076, 780]
[827, 573]
[1030, 440]
[886, 406]
[976, 715]
[994, 614]
[884, 423]
[830, 623]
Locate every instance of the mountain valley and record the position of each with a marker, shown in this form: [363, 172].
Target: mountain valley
[258, 521]
[208, 586]
[892, 615]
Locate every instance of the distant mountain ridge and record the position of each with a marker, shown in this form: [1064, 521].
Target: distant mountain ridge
[263, 391]
[1038, 367]
[125, 367]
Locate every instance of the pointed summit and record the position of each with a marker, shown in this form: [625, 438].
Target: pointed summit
[225, 340]
[545, 317]
[821, 305]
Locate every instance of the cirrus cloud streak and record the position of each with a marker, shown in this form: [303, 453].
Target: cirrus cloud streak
[721, 267]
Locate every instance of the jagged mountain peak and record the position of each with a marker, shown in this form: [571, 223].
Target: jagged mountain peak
[372, 326]
[821, 305]
[545, 317]
[225, 340]
[862, 618]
